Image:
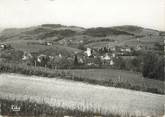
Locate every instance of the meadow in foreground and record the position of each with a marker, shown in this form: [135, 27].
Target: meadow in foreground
[33, 109]
[73, 95]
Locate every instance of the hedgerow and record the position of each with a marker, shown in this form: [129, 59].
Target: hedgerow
[52, 73]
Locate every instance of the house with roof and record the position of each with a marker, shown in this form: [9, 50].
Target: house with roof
[113, 55]
[27, 56]
[138, 47]
[108, 59]
[128, 49]
[42, 60]
[5, 46]
[88, 52]
[49, 43]
[111, 62]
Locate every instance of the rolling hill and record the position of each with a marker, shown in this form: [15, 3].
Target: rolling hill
[69, 38]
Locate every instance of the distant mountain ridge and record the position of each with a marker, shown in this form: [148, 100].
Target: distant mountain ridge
[98, 31]
[73, 38]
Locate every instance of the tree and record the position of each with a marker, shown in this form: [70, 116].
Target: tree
[159, 69]
[137, 64]
[159, 46]
[153, 66]
[75, 60]
[120, 63]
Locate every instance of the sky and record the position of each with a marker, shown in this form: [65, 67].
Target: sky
[85, 13]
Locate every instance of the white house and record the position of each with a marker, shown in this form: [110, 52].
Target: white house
[3, 46]
[138, 40]
[88, 52]
[51, 57]
[81, 60]
[122, 49]
[60, 55]
[49, 43]
[39, 58]
[106, 57]
[128, 50]
[138, 47]
[26, 56]
[113, 55]
[111, 62]
[81, 41]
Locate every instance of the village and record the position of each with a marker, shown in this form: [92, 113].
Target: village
[90, 57]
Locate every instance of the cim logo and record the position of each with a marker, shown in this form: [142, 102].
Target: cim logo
[15, 108]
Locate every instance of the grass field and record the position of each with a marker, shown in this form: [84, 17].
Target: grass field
[25, 45]
[105, 77]
[117, 76]
[69, 94]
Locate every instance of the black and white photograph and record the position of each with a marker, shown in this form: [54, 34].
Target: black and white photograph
[82, 58]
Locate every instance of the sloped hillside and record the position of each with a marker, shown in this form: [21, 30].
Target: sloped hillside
[103, 32]
[75, 38]
[39, 32]
[136, 30]
[34, 39]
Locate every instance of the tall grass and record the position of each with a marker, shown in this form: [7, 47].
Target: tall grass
[30, 70]
[33, 109]
[50, 73]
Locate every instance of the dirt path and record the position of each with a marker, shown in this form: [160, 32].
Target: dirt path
[75, 94]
